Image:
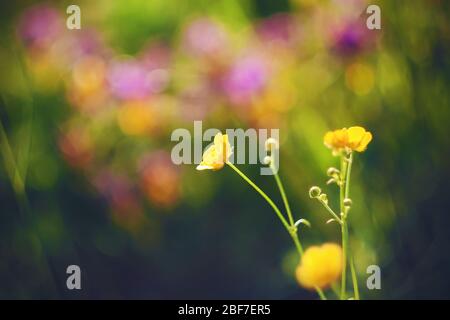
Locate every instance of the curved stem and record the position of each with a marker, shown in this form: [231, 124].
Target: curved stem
[264, 195]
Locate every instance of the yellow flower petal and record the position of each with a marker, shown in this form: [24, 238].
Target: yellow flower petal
[341, 137]
[217, 154]
[364, 142]
[358, 138]
[328, 139]
[355, 134]
[336, 139]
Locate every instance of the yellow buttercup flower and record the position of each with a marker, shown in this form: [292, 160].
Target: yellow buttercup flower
[215, 157]
[320, 266]
[351, 139]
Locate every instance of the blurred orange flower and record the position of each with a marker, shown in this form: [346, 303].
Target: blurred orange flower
[160, 179]
[136, 118]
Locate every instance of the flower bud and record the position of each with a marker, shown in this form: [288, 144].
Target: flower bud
[347, 202]
[314, 192]
[332, 171]
[271, 144]
[267, 160]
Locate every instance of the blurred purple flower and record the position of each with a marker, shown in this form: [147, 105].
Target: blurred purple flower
[351, 38]
[245, 79]
[40, 25]
[205, 37]
[129, 80]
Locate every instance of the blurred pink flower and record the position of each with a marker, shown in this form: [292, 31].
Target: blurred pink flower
[205, 37]
[156, 60]
[245, 79]
[40, 25]
[128, 80]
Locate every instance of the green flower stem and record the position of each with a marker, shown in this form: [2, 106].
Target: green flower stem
[297, 243]
[291, 229]
[344, 231]
[349, 171]
[354, 278]
[283, 195]
[349, 254]
[320, 293]
[264, 195]
[344, 228]
[335, 216]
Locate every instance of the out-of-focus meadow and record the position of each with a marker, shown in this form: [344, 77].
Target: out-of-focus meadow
[86, 115]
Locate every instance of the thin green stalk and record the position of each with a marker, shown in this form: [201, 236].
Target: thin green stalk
[344, 231]
[297, 243]
[335, 216]
[292, 229]
[264, 195]
[349, 171]
[283, 196]
[354, 278]
[344, 228]
[342, 183]
[320, 293]
[349, 253]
